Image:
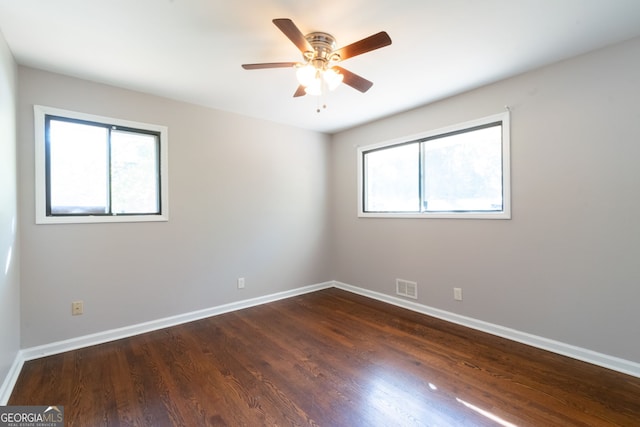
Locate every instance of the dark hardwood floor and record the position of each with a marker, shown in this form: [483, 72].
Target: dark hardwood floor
[329, 358]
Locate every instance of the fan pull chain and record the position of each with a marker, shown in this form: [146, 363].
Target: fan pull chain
[321, 99]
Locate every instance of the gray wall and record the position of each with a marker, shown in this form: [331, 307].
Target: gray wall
[277, 206]
[248, 198]
[567, 266]
[9, 241]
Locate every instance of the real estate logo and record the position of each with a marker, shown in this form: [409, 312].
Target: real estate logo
[31, 416]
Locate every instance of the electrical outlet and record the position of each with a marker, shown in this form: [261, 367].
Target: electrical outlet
[457, 294]
[240, 282]
[77, 308]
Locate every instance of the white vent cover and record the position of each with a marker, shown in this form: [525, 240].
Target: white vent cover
[407, 288]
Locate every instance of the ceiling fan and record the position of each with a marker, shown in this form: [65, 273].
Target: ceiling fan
[318, 70]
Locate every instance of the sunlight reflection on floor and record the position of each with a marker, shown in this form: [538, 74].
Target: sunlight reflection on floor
[402, 399]
[487, 414]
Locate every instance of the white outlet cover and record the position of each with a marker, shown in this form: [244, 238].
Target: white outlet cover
[77, 308]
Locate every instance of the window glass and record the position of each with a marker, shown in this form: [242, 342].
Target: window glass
[134, 173]
[78, 168]
[463, 172]
[392, 179]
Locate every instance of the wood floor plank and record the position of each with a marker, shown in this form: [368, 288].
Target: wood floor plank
[328, 358]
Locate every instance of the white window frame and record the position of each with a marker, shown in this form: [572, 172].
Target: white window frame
[40, 112]
[505, 213]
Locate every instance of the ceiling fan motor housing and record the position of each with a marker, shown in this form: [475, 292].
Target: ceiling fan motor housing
[323, 46]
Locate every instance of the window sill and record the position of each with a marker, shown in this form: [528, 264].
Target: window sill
[90, 219]
[437, 215]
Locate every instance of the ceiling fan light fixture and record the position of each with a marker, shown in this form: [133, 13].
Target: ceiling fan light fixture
[317, 81]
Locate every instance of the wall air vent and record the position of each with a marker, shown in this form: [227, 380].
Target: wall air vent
[407, 288]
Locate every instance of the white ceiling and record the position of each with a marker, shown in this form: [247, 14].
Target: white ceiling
[191, 50]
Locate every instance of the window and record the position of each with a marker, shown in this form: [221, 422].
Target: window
[98, 169]
[458, 172]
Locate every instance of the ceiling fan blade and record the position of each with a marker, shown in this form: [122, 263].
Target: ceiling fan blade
[293, 33]
[268, 65]
[354, 80]
[299, 92]
[368, 44]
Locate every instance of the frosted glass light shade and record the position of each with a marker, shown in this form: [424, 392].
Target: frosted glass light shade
[306, 75]
[333, 78]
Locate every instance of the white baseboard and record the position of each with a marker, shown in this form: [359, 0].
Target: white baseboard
[585, 355]
[129, 331]
[606, 361]
[10, 380]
